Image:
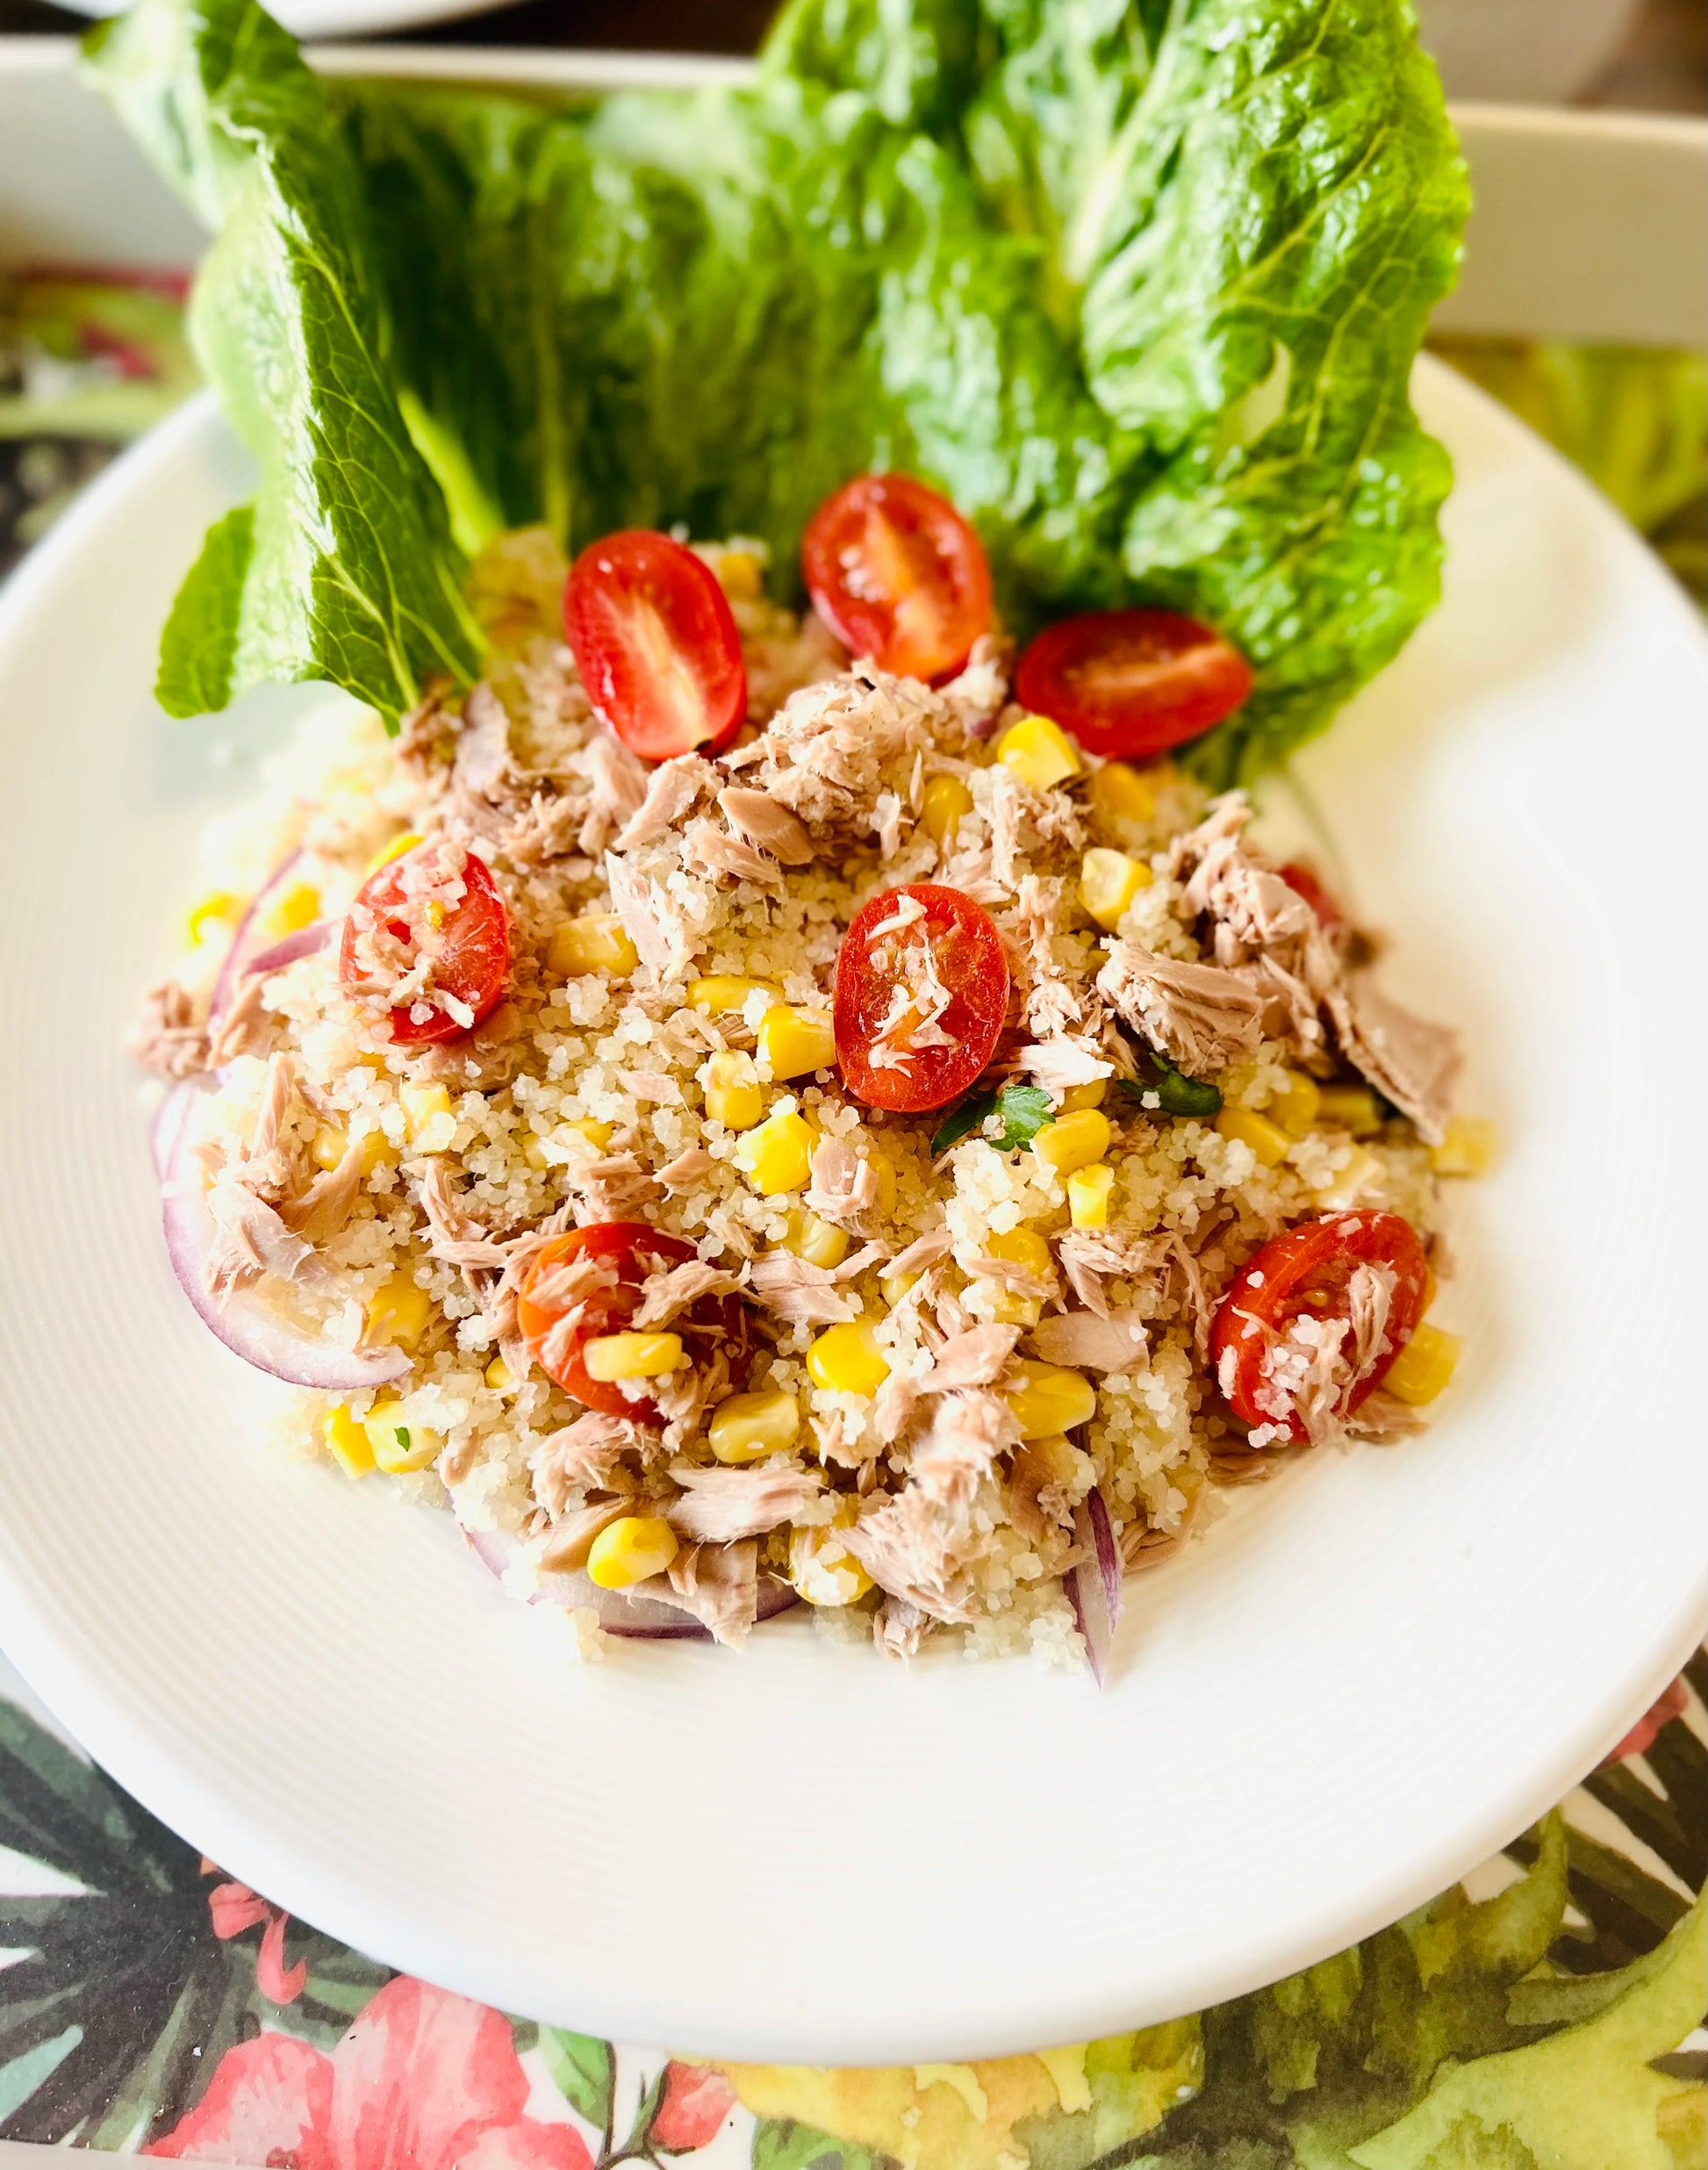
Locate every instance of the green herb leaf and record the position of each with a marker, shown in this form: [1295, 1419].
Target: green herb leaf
[1174, 1092]
[1019, 1111]
[585, 2069]
[199, 642]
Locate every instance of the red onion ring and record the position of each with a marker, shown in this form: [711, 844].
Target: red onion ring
[1094, 1588]
[640, 1619]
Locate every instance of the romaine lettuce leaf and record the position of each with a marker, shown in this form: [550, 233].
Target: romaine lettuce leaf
[1138, 283]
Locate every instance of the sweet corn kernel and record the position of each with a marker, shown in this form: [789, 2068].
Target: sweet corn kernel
[795, 1042]
[1467, 1149]
[1424, 1366]
[1363, 1173]
[423, 1105]
[398, 1313]
[398, 1448]
[1108, 882]
[387, 852]
[749, 1427]
[630, 1551]
[609, 1356]
[777, 1158]
[883, 1173]
[591, 1128]
[1088, 1195]
[499, 1376]
[215, 915]
[1038, 752]
[1011, 1309]
[596, 942]
[893, 1287]
[293, 909]
[346, 1441]
[734, 1095]
[1353, 1107]
[741, 575]
[1296, 1104]
[723, 991]
[820, 1242]
[1073, 1140]
[1123, 795]
[1021, 1247]
[1048, 1398]
[943, 803]
[1267, 1140]
[330, 1144]
[822, 1569]
[1077, 1096]
[848, 1358]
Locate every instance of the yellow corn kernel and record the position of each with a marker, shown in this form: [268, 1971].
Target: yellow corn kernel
[1296, 1104]
[820, 1242]
[1023, 1246]
[740, 576]
[387, 852]
[723, 991]
[893, 1287]
[1048, 1400]
[777, 1158]
[1351, 1107]
[422, 1107]
[821, 1568]
[596, 942]
[944, 801]
[795, 1042]
[749, 1427]
[1363, 1173]
[1108, 882]
[734, 1095]
[398, 1448]
[1088, 1195]
[591, 1128]
[398, 1313]
[1120, 794]
[883, 1170]
[1038, 752]
[499, 1376]
[1073, 1140]
[849, 1359]
[1424, 1366]
[1077, 1096]
[609, 1356]
[1011, 1309]
[631, 1550]
[293, 909]
[216, 915]
[346, 1441]
[1467, 1149]
[330, 1144]
[1267, 1140]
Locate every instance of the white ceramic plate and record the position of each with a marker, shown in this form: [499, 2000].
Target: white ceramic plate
[1375, 1673]
[342, 18]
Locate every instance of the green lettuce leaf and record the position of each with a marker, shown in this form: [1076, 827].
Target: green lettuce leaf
[1138, 283]
[198, 645]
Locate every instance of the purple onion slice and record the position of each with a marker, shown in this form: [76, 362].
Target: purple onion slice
[247, 939]
[303, 943]
[1094, 1588]
[641, 1618]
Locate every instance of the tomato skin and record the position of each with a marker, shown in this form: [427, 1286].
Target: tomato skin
[655, 642]
[1129, 683]
[634, 1249]
[921, 573]
[1275, 1284]
[970, 964]
[474, 963]
[1303, 883]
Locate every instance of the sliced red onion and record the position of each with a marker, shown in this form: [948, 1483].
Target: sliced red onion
[641, 1619]
[246, 941]
[1094, 1588]
[245, 1322]
[303, 943]
[167, 1120]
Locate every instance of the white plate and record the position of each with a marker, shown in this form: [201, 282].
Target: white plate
[341, 19]
[1374, 1674]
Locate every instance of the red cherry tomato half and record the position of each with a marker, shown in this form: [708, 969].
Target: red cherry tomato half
[658, 650]
[898, 575]
[1306, 1272]
[1132, 683]
[1303, 883]
[399, 914]
[631, 1250]
[921, 994]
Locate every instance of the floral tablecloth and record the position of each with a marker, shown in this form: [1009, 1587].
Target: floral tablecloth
[1546, 2015]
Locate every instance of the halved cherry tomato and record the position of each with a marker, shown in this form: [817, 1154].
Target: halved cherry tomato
[632, 1250]
[898, 575]
[1307, 1270]
[655, 644]
[468, 941]
[1303, 883]
[921, 994]
[1132, 683]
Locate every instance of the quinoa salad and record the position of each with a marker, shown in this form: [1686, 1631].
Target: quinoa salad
[749, 1108]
